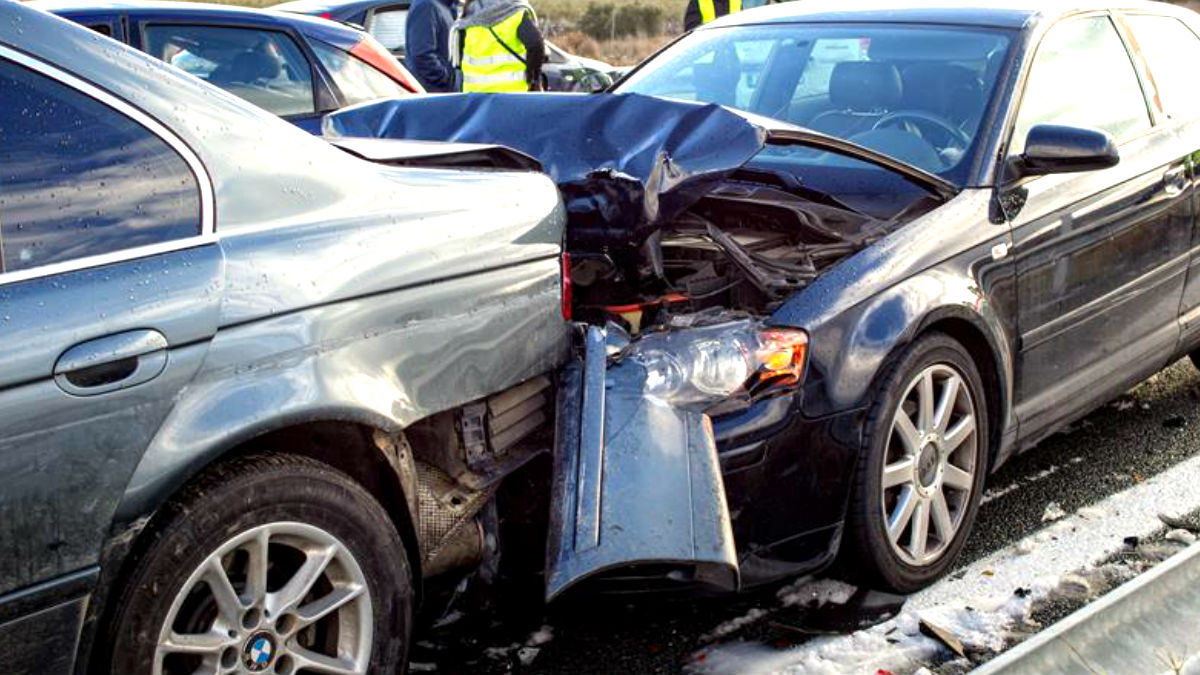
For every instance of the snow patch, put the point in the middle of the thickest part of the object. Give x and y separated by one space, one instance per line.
540 637
817 593
991 599
734 625
998 492
1181 536
1053 512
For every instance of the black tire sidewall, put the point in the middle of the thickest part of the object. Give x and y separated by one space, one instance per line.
244 494
868 529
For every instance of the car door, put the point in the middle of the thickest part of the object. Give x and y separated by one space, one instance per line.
110 286
1100 256
265 66
1170 48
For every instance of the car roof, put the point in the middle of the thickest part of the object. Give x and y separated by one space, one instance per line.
340 7
171 7
328 31
1000 14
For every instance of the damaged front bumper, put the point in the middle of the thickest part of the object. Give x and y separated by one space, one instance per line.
637 480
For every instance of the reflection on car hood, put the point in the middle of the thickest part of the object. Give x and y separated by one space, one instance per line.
625 163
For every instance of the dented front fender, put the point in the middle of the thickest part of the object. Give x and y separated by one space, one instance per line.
637 481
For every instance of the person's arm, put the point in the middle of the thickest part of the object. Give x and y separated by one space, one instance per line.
691 18
535 50
421 46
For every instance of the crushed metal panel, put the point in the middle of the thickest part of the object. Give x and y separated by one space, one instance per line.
636 480
625 163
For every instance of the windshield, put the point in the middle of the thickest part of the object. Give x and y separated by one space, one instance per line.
913 92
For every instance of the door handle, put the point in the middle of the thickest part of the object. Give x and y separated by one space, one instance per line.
111 363
1175 180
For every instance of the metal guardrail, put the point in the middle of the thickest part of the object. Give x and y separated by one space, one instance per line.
1143 627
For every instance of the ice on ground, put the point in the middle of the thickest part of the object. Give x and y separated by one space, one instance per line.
1053 512
991 600
540 637
998 492
734 625
526 655
817 593
1181 536
866 651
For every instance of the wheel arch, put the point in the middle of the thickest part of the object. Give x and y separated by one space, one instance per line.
371 450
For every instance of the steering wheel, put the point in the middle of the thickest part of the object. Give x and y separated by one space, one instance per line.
919 118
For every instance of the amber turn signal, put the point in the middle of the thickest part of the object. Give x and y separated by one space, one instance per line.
781 354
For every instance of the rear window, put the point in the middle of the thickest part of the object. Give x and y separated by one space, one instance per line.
389 26
264 67
358 80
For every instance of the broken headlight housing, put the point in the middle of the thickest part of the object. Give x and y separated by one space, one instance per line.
710 363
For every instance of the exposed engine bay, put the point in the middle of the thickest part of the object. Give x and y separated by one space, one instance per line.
746 246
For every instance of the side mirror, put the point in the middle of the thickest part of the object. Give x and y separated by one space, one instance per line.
1051 148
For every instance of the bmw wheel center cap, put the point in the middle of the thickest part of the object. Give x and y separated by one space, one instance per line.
259 652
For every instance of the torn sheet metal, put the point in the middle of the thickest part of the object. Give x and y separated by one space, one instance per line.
437 155
625 163
637 481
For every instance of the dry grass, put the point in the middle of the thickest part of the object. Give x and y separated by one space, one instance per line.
620 52
572 10
559 17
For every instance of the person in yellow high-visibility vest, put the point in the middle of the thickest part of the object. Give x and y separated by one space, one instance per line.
700 12
499 47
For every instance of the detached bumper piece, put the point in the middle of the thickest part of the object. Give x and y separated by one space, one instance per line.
637 481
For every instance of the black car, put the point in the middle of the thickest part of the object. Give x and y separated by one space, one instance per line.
979 217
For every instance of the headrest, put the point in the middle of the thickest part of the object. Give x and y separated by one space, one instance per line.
941 88
252 66
865 86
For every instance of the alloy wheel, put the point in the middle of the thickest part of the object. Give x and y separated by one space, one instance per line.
281 598
929 465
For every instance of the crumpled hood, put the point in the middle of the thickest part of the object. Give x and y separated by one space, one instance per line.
625 163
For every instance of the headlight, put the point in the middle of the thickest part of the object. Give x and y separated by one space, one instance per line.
697 365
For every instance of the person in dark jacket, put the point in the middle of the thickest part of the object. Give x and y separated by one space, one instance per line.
427 44
700 12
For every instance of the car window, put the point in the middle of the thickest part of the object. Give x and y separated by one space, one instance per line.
1171 51
917 93
1082 76
265 67
102 28
388 26
357 80
78 178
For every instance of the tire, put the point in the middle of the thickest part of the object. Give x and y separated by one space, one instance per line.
315 524
947 466
1195 357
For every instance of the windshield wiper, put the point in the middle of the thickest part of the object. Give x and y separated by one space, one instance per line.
798 136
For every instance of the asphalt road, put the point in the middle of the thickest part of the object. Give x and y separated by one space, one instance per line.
1146 431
